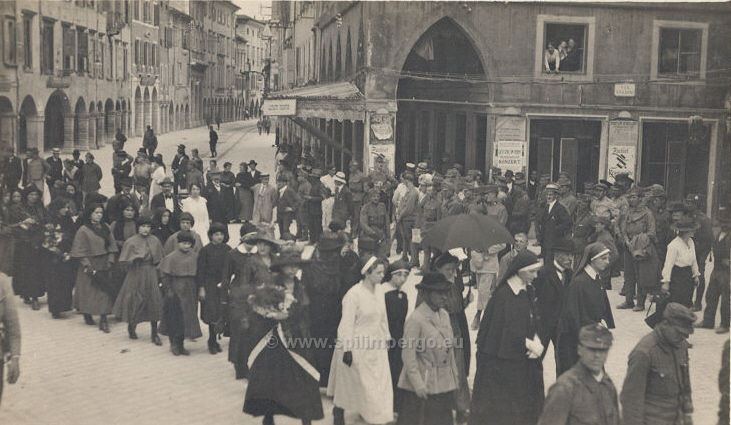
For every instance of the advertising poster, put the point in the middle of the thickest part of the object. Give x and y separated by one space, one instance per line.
622 154
509 155
381 159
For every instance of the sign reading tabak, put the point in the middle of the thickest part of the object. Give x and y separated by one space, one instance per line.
279 107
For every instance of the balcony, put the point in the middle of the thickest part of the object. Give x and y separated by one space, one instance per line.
115 23
62 79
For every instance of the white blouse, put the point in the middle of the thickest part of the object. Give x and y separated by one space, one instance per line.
680 254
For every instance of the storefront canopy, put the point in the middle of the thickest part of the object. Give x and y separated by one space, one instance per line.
335 101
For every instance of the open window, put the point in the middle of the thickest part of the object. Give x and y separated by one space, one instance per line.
565 47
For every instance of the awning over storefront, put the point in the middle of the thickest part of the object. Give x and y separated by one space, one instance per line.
338 101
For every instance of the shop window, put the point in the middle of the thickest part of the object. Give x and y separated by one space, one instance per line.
27 42
47 47
679 50
9 43
564 48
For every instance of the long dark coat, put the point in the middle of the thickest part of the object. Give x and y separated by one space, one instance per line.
550 227
211 260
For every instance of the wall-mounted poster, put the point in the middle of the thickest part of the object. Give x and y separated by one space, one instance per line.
381 159
509 155
510 128
381 128
622 154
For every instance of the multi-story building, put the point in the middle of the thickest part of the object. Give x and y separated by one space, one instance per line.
591 89
257 51
64 73
145 83
240 76
176 103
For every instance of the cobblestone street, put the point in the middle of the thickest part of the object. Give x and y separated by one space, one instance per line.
74 374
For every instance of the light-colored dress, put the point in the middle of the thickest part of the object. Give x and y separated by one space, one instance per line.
364 387
157 177
199 210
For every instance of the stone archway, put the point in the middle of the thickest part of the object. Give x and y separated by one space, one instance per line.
55 125
427 125
155 111
81 125
108 120
139 129
28 127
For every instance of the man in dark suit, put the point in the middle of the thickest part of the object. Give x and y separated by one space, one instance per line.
286 205
116 202
552 223
179 167
166 199
12 170
55 164
550 286
216 209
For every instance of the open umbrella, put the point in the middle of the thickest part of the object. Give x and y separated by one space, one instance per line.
476 231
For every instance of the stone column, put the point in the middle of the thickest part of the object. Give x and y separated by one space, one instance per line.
68 133
82 143
100 130
35 132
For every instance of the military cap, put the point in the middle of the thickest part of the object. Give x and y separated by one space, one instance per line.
595 336
679 316
398 266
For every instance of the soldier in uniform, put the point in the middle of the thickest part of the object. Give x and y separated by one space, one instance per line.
519 220
374 226
493 207
583 225
357 186
429 212
566 195
603 205
584 394
656 388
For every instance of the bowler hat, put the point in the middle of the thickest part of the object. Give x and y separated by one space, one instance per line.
595 336
433 281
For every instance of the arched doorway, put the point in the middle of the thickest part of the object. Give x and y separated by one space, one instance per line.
81 124
445 129
146 110
117 117
57 108
28 111
92 125
108 120
155 111
138 112
7 123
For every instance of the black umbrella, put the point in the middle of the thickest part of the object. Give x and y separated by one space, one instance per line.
476 231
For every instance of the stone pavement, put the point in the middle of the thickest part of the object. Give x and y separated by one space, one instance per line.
74 374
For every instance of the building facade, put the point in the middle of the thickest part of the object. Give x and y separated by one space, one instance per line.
483 85
256 52
176 104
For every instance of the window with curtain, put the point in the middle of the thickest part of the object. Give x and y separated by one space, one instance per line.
83 56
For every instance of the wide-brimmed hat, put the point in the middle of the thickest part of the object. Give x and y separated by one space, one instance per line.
685 225
262 235
252 162
434 281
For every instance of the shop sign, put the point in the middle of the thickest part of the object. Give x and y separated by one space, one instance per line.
622 155
509 155
510 128
279 107
624 89
381 127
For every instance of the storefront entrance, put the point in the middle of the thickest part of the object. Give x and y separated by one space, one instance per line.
570 145
669 159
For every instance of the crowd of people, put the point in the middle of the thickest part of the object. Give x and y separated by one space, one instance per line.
158 252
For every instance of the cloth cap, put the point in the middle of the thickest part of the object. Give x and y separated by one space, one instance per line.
680 316
595 336
433 281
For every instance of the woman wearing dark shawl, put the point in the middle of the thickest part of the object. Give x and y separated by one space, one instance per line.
140 300
30 217
323 282
178 272
211 260
586 302
58 269
508 387
95 248
228 180
122 230
162 224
